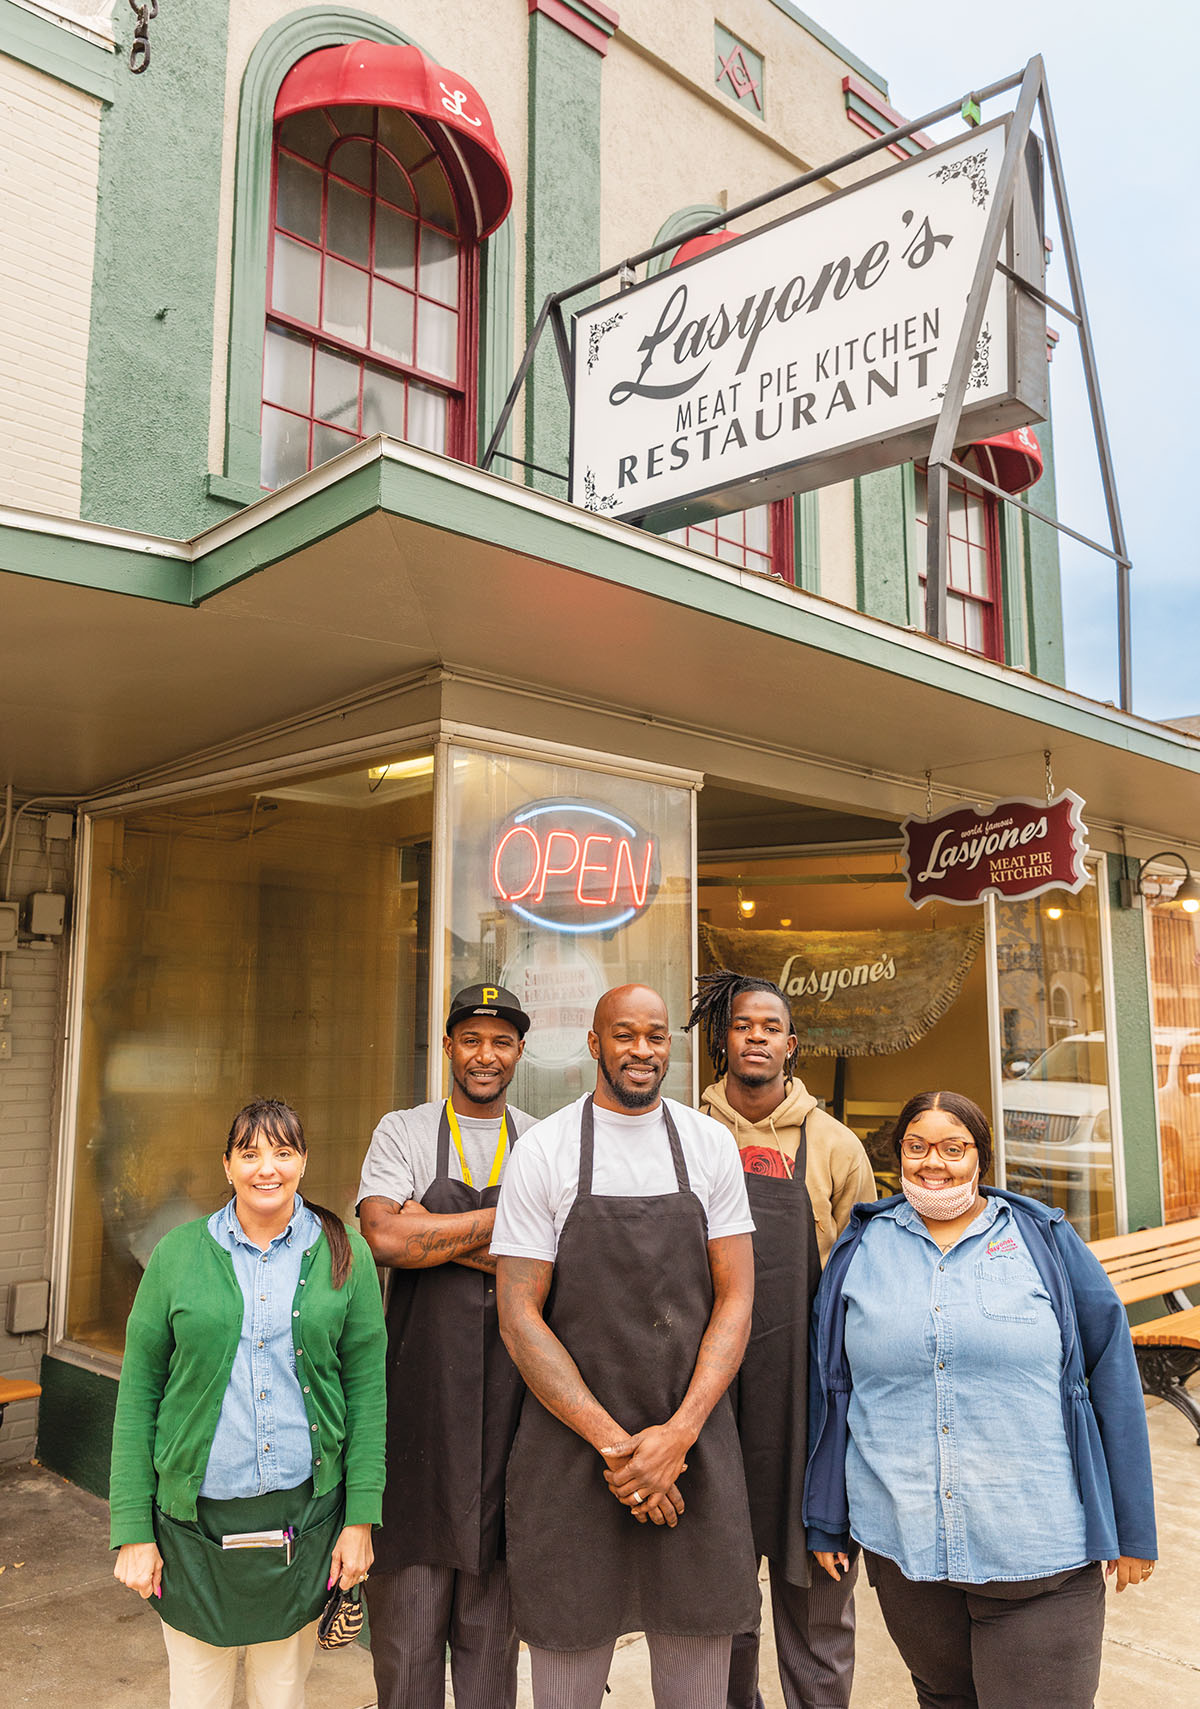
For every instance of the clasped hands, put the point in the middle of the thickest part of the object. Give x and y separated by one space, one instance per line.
642 1472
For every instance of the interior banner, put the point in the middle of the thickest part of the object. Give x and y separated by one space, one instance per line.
813 349
854 993
1016 848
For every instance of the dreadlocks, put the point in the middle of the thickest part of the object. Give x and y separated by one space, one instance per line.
712 1012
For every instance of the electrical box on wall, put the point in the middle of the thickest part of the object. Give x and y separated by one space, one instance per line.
10 914
46 914
28 1307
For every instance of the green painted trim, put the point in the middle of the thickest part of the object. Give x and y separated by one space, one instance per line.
806 525
856 104
239 493
603 20
276 51
832 43
75 1420
1014 604
681 224
48 47
562 229
883 558
497 326
288 530
1043 575
1135 1056
106 565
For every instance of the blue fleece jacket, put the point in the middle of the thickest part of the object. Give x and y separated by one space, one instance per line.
1103 1410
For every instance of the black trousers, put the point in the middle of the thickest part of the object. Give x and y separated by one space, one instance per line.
996 1646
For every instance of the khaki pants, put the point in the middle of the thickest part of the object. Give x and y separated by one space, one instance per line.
202 1675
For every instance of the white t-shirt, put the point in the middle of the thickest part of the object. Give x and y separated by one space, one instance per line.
632 1158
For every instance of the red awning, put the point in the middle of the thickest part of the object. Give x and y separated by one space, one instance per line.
693 246
1009 460
380 74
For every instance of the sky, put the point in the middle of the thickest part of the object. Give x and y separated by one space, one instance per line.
1120 88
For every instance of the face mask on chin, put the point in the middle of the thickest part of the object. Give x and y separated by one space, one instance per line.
944 1203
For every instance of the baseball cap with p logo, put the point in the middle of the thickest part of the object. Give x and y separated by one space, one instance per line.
487 1000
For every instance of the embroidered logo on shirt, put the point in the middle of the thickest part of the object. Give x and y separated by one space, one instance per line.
1002 1248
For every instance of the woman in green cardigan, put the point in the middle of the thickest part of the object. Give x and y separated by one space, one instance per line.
252 1400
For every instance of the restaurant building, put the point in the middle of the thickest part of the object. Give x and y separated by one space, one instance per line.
309 720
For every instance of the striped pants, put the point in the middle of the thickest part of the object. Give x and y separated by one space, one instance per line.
416 1612
814 1644
685 1673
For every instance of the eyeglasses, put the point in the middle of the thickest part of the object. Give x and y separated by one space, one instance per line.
949 1150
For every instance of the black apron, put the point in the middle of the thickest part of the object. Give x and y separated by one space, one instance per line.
454 1397
770 1392
630 1300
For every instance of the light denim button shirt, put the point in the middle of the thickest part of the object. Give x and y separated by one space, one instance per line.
263 1439
957 1466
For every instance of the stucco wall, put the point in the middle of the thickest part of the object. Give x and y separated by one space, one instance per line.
49 159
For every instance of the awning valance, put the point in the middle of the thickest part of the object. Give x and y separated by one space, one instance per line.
1009 460
382 74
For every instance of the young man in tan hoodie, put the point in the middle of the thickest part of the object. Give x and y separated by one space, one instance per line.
804 1172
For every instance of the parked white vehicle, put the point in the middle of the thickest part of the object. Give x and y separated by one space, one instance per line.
1057 1132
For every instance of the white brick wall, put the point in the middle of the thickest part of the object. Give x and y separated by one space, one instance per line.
29 1082
49 163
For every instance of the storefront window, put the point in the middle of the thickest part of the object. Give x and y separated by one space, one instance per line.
887 1000
267 942
565 882
1175 991
1054 1056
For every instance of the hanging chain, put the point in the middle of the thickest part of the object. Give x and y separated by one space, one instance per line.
1049 777
929 795
139 52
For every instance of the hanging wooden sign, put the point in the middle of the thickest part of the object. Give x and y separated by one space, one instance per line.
1016 848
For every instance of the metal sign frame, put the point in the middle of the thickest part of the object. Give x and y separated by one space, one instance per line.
1033 99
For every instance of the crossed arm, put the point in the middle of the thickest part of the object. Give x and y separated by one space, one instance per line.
642 1470
409 1237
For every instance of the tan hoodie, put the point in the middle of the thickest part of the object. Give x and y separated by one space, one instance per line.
839 1173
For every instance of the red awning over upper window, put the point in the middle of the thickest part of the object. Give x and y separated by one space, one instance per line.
1009 460
380 74
693 246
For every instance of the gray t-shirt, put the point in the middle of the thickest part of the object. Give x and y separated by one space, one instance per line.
401 1161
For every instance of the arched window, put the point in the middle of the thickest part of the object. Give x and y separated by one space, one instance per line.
371 294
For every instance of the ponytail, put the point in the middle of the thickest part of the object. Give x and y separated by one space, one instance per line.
340 1256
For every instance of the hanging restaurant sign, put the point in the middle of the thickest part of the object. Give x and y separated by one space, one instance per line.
854 993
1016 848
814 349
573 866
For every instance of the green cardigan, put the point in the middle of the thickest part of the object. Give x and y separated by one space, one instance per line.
179 1350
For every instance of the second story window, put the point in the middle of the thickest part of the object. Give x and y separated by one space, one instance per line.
371 291
758 539
973 617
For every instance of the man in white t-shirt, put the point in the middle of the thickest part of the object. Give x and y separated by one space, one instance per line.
426 1202
625 1287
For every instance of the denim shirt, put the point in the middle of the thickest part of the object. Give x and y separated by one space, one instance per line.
958 1465
263 1437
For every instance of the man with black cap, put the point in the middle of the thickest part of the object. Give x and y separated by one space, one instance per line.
426 1207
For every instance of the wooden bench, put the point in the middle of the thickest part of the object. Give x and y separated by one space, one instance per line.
1154 1263
16 1388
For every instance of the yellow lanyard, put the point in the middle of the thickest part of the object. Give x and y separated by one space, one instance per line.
501 1147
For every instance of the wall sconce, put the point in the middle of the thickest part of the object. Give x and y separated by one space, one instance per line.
746 906
1054 912
1186 897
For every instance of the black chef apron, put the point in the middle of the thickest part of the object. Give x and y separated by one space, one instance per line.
630 1300
770 1392
453 1400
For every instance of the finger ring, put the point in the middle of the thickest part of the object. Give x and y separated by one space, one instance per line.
637 1496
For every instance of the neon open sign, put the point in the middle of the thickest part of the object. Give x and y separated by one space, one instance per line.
573 866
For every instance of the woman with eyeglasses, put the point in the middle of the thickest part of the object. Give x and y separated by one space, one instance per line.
977 1427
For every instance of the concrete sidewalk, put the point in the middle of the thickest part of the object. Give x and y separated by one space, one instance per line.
71 1635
